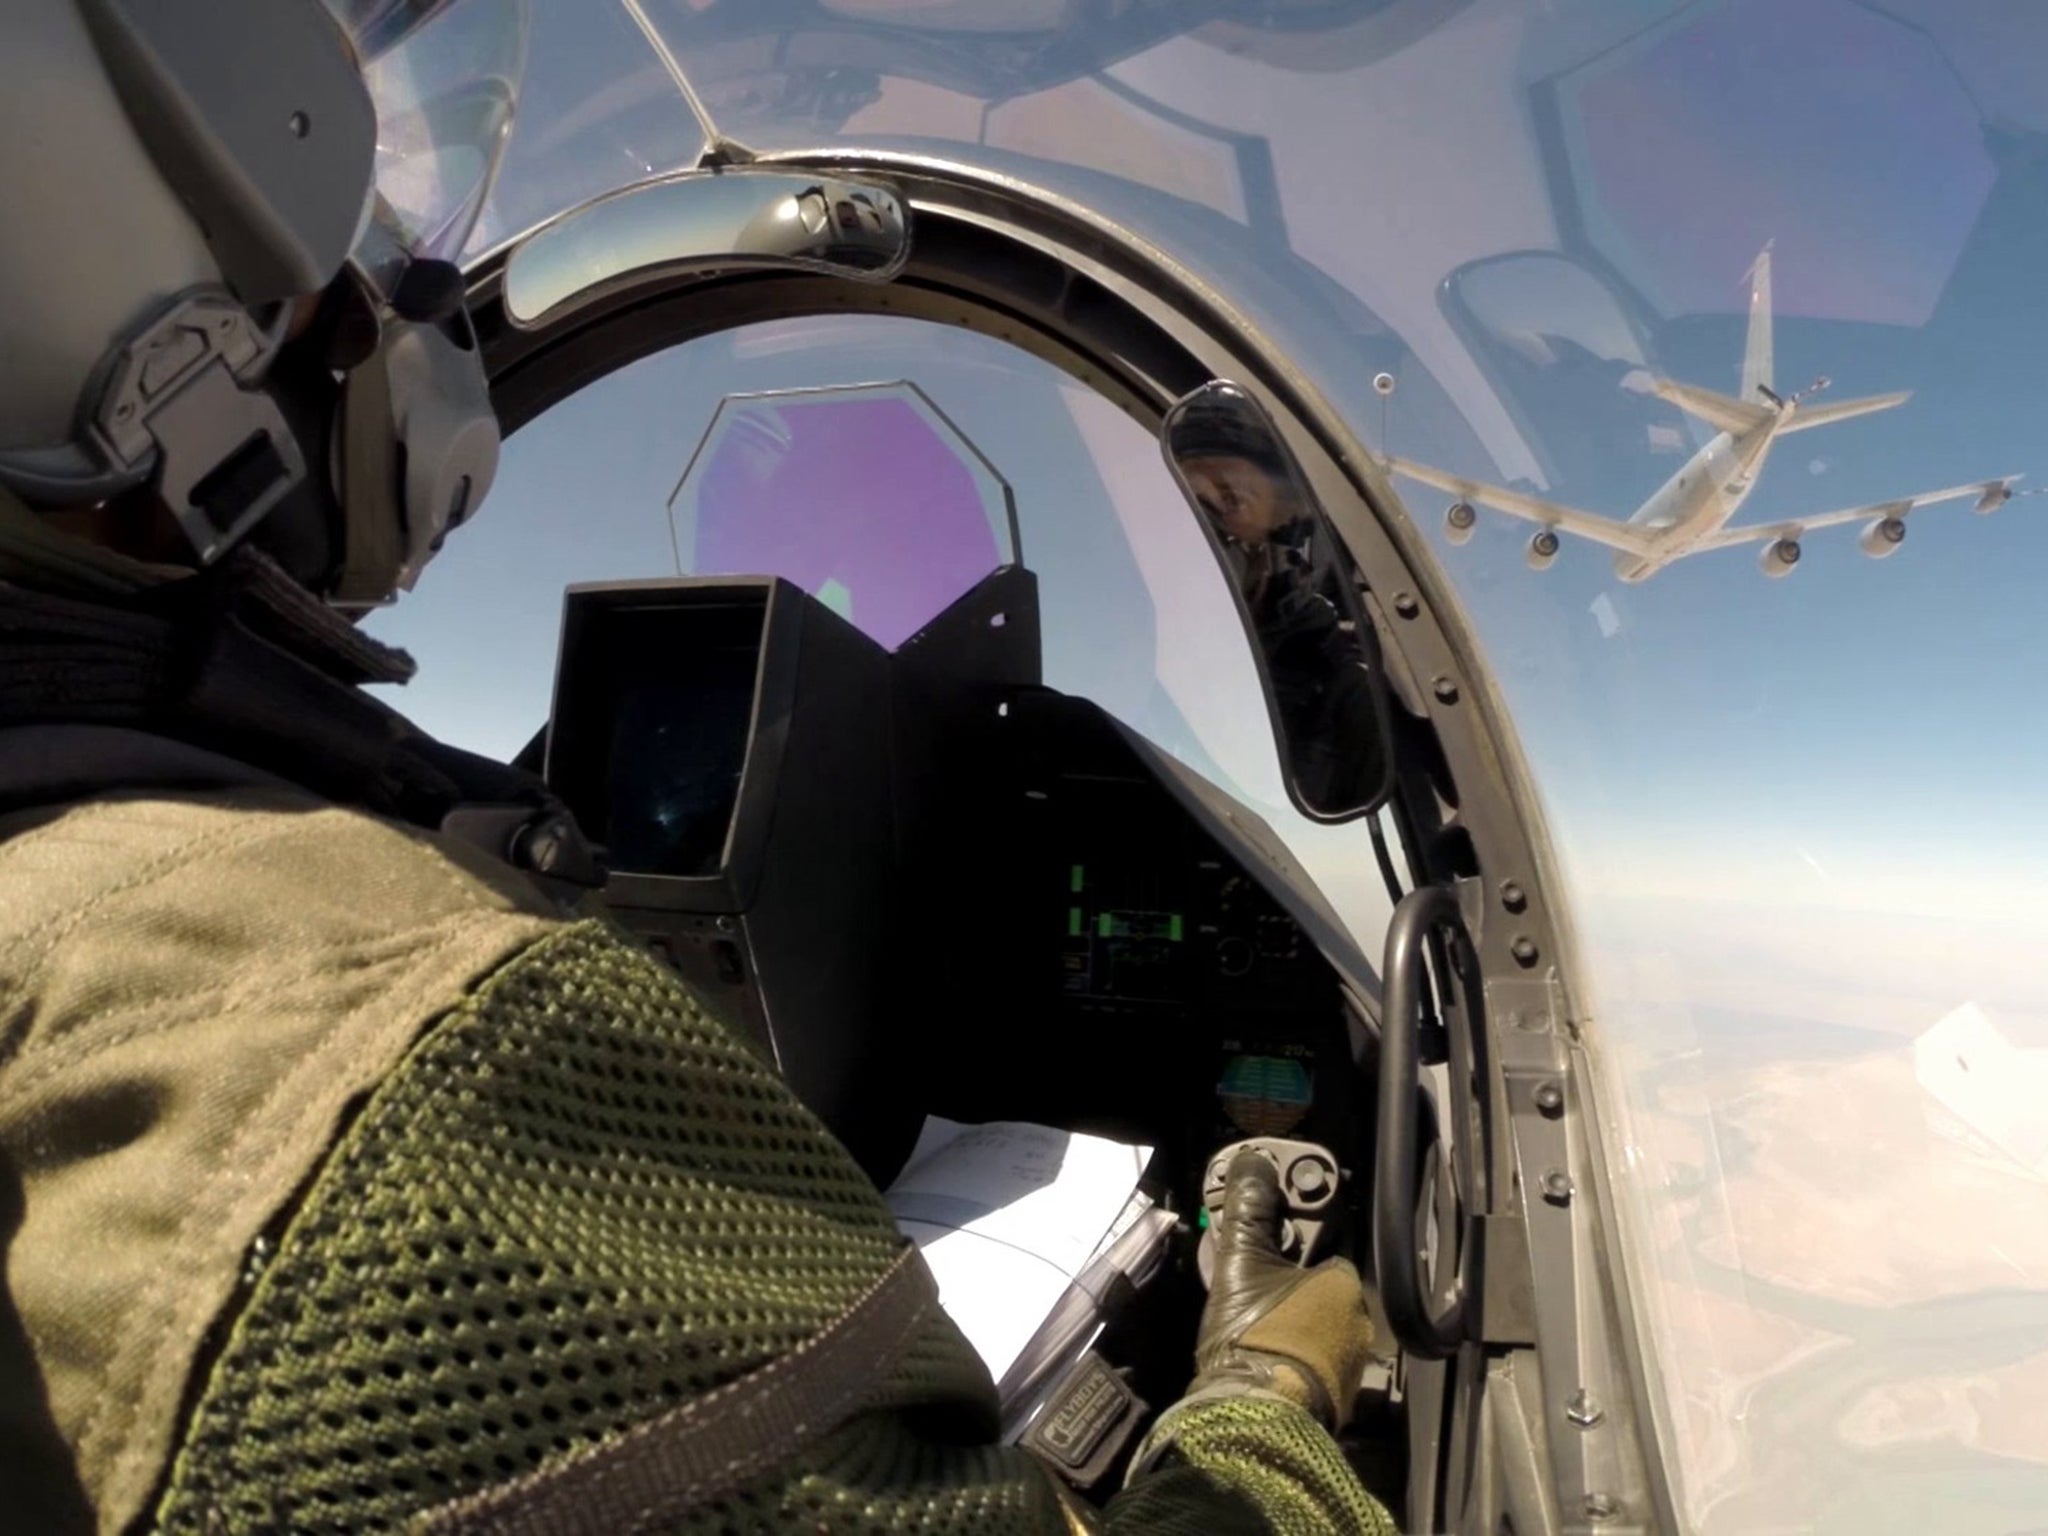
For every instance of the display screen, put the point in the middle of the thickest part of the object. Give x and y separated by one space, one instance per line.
1125 936
1266 1095
668 693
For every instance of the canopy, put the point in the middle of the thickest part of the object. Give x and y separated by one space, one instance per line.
1798 818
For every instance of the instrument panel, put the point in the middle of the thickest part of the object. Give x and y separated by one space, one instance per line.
1160 959
1147 933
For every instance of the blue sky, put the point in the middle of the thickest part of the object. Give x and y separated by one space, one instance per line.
1855 701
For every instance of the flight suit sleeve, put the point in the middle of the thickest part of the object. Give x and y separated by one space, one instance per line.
1246 1468
1251 1466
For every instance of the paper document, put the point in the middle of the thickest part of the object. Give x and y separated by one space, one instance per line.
1007 1215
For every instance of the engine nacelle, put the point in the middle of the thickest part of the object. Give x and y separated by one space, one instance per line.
1778 557
1459 521
1543 547
1994 497
1883 537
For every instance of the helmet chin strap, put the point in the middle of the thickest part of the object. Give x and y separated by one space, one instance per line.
366 457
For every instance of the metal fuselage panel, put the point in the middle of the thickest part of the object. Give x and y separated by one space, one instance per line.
1699 500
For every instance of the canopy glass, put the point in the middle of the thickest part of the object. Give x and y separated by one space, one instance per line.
1796 817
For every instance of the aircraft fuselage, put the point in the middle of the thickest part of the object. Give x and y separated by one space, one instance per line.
1699 500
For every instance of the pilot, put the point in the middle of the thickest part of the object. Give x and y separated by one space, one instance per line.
346 1183
1275 546
1237 474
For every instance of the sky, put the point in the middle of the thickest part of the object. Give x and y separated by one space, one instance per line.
1800 821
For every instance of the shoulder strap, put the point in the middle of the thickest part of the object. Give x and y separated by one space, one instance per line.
651 1475
53 765
239 662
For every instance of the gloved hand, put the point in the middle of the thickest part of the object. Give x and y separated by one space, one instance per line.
1270 1327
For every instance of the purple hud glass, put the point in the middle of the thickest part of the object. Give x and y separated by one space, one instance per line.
867 497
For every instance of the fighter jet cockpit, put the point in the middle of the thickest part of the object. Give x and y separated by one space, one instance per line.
927 880
1188 578
935 729
992 740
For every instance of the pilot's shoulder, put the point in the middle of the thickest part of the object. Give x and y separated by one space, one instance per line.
277 856
239 898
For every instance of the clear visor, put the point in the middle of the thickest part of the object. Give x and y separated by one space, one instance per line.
445 77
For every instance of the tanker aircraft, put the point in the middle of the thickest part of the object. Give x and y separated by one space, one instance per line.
1691 512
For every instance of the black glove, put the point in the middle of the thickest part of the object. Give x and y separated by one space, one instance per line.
1271 1328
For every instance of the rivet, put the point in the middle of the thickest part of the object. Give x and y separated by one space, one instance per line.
1602 1506
1549 1098
1557 1186
1513 897
1406 605
1446 691
1524 950
1584 1409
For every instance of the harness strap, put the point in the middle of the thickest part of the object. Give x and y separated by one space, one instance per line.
648 1477
238 662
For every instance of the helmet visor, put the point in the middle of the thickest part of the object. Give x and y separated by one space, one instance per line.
445 77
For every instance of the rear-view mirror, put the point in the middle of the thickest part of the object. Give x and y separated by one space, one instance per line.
748 217
1316 649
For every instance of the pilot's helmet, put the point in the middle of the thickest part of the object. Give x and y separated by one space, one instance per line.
1224 430
225 285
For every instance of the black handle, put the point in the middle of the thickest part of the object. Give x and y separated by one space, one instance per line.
1394 1254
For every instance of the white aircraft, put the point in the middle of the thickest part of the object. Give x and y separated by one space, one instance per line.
1691 511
